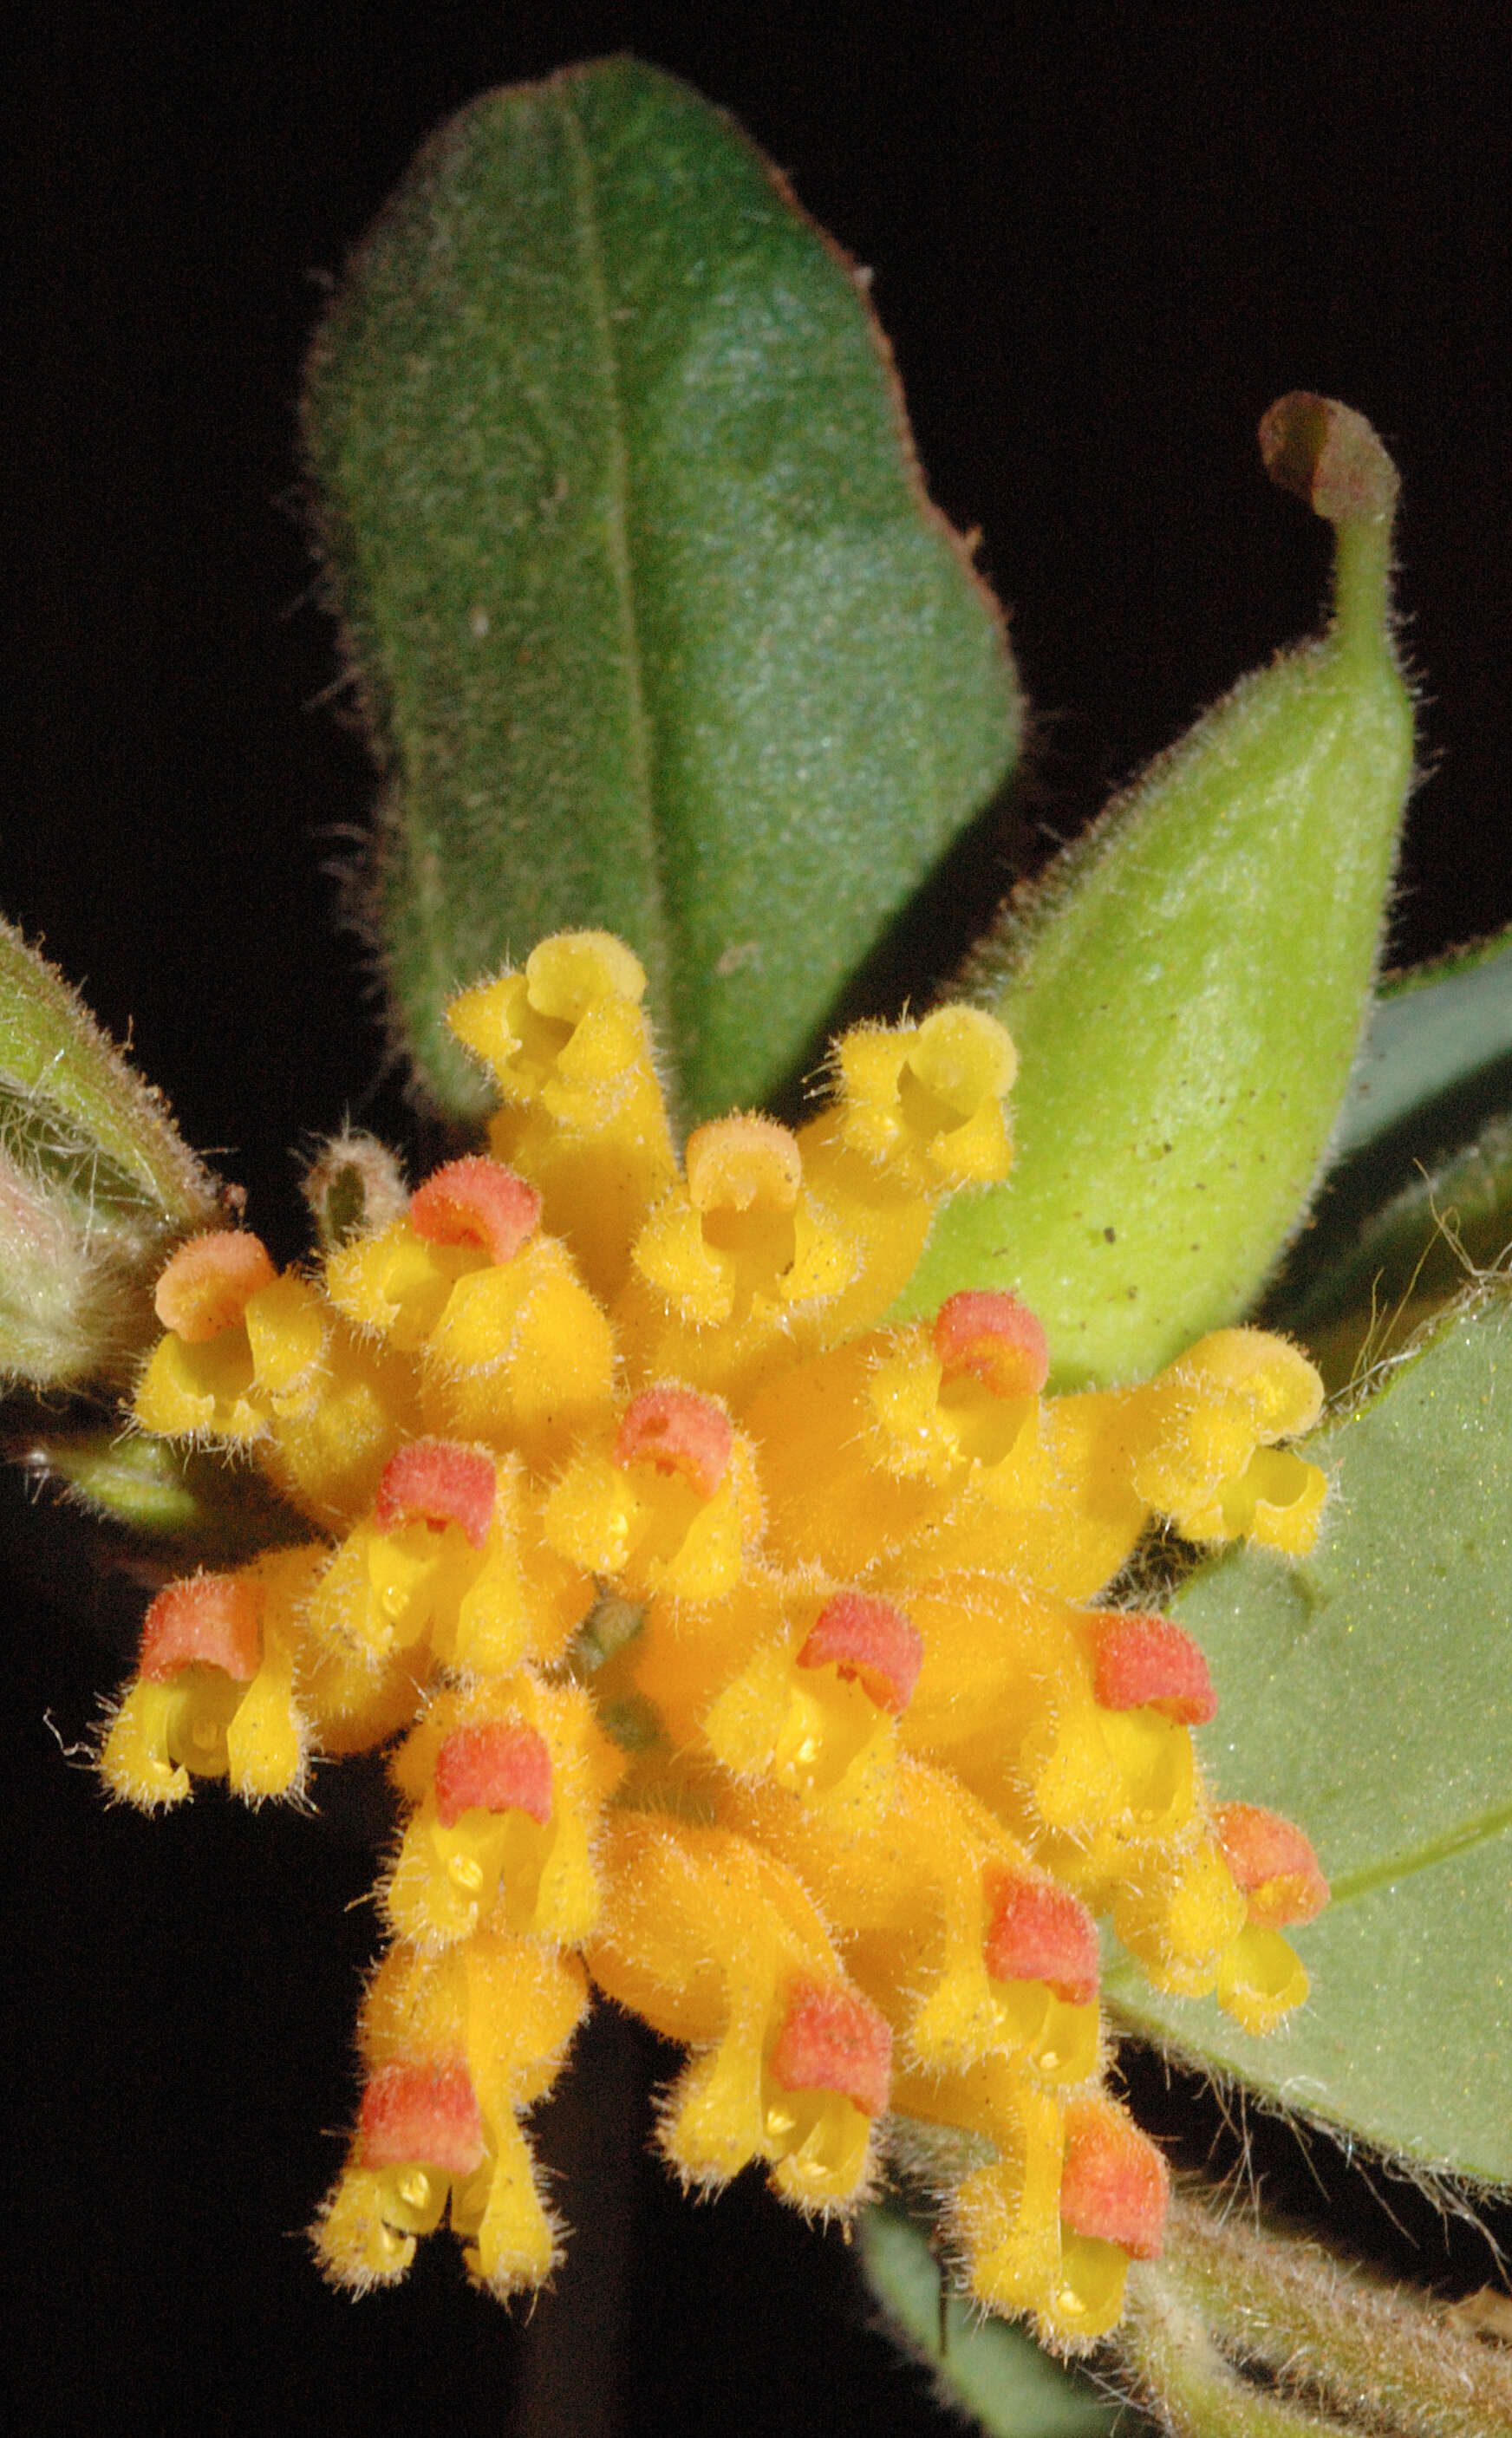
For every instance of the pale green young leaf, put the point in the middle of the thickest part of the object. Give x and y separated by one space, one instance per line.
1364 1691
655 628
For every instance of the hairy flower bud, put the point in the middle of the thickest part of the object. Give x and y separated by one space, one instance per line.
95 1185
1176 1104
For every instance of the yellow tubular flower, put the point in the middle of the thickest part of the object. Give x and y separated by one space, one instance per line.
668 1505
216 1692
514 1349
508 1781
569 1048
946 1926
731 1264
252 1356
870 1451
815 1708
1003 2218
1203 1440
918 1115
718 1947
737 1650
450 1557
456 2049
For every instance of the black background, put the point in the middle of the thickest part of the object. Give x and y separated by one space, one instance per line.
1103 239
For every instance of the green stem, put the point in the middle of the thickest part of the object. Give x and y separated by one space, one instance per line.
1183 2380
1378 2355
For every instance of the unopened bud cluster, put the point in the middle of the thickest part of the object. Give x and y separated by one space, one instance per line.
741 1654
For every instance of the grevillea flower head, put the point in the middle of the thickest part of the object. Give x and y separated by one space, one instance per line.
746 1659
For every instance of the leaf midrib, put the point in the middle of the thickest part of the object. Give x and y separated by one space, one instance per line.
1371 1875
590 239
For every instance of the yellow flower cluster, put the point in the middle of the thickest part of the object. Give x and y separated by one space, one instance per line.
742 1649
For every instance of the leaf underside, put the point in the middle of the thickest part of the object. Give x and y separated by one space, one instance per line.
1364 1691
655 628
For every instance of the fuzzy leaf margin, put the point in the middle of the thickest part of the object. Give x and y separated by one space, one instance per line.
656 631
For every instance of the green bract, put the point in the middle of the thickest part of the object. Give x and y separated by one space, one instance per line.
656 629
1186 987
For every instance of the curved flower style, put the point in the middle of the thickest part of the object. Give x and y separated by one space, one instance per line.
748 1648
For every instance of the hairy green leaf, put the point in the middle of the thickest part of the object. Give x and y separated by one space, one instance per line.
986 2367
655 626
1366 1692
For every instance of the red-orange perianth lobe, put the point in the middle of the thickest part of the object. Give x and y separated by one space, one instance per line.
1274 1864
205 1286
427 2115
1114 2185
212 1620
1141 1662
500 1766
831 2039
996 1338
870 1640
441 1481
1039 1932
677 1431
476 1201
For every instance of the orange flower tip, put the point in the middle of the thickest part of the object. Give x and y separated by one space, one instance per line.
871 1641
1273 1863
1039 1932
1114 2184
441 1481
733 1162
205 1285
996 1339
215 1620
677 1431
1148 1663
476 1201
421 2114
498 1766
831 2039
